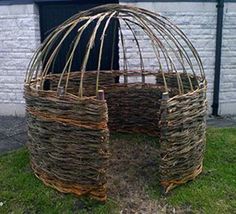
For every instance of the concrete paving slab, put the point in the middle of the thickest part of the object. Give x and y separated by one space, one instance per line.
221 122
13 133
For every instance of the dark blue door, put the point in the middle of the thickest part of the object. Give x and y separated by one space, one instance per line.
54 13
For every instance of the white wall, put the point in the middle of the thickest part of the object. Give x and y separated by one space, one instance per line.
228 68
19 37
198 21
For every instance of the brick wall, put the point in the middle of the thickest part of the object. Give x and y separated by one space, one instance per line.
198 21
228 69
19 36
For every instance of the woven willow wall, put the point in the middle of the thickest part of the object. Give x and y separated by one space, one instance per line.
182 139
68 142
179 122
71 114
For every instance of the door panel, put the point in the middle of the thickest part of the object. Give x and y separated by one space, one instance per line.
53 14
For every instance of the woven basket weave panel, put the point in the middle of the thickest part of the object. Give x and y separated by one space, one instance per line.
134 110
89 82
66 157
134 107
67 153
182 140
107 81
88 111
173 83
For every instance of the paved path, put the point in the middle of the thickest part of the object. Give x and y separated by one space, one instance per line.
13 130
221 122
13 133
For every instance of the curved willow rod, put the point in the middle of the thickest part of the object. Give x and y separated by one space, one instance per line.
124 56
101 48
179 80
70 59
171 46
176 42
168 23
183 36
47 66
155 49
39 54
90 44
158 44
139 50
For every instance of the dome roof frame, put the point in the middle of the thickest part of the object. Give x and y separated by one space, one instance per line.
151 23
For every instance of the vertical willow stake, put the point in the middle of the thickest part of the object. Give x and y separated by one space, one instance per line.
101 95
163 124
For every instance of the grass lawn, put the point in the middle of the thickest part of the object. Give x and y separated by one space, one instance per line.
212 192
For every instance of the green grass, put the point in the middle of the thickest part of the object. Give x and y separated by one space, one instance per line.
22 192
212 192
215 190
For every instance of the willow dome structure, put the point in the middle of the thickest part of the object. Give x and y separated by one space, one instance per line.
71 112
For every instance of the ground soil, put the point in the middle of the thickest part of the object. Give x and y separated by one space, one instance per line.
133 175
132 171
